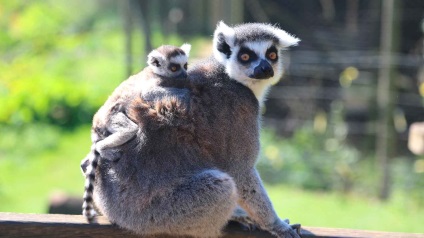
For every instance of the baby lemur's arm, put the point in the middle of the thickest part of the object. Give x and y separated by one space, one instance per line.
122 129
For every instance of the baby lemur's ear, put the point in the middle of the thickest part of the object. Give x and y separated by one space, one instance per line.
155 58
154 61
186 48
223 41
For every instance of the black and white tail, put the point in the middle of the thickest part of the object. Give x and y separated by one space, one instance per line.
90 175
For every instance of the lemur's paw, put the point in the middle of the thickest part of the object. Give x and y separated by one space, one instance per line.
295 226
284 230
243 218
247 222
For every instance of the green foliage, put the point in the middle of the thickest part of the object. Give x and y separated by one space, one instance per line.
37 161
61 61
304 160
47 65
332 209
311 160
318 157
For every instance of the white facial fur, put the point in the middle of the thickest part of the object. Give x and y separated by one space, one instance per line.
186 48
163 69
180 59
240 72
229 35
161 58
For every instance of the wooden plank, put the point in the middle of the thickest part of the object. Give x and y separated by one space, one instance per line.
55 225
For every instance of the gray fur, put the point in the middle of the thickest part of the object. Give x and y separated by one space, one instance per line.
186 175
112 127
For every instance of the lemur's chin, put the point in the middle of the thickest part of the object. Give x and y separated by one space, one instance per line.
261 77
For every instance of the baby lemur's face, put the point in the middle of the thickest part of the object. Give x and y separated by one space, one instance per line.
170 61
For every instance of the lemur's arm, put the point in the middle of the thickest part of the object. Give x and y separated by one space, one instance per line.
123 130
253 198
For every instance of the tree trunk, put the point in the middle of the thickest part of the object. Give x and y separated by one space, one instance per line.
385 97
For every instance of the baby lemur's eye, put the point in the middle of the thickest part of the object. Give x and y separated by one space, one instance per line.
185 66
245 57
174 67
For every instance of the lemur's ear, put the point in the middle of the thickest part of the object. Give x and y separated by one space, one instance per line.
285 39
155 58
186 48
223 41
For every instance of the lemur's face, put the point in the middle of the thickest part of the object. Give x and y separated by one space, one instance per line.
251 53
174 67
251 61
170 61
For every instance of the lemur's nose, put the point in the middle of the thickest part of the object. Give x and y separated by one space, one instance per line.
263 70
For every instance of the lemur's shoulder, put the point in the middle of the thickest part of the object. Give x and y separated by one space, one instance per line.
210 75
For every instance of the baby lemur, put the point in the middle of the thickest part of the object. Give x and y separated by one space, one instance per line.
167 66
186 178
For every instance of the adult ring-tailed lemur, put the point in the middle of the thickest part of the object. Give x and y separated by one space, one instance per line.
187 178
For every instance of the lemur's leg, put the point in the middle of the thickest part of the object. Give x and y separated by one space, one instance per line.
254 200
123 130
200 207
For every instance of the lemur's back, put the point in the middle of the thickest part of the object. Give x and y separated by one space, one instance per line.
201 140
225 102
123 94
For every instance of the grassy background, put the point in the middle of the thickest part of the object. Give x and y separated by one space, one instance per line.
26 184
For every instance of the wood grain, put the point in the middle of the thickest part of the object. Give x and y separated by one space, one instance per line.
55 225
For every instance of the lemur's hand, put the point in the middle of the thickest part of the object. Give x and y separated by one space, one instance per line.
240 216
283 229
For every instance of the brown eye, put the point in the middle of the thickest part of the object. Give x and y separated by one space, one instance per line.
173 68
272 56
245 57
185 66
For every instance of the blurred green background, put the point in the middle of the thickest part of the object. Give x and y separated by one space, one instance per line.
321 157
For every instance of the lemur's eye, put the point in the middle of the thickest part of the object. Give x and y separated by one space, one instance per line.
272 56
245 57
174 67
185 66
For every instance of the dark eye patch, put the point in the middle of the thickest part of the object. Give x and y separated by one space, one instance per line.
270 50
174 67
245 50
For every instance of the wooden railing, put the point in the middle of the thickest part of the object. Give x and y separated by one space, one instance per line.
53 225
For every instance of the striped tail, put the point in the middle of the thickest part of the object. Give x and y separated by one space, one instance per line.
90 175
